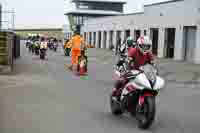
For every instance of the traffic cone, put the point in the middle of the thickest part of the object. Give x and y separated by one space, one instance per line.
82 71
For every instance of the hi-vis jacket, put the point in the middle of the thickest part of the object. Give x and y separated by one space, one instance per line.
76 43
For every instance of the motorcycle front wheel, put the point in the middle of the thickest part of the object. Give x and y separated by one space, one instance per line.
115 107
145 115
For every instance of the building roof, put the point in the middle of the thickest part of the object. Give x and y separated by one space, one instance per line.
105 1
135 13
160 2
94 12
39 29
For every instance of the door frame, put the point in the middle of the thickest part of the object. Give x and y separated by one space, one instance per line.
166 44
185 38
152 30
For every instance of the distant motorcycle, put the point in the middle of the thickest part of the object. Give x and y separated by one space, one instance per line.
37 48
51 46
42 53
33 48
55 48
30 47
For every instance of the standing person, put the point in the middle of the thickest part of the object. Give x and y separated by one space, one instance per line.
66 48
118 45
55 44
43 45
76 43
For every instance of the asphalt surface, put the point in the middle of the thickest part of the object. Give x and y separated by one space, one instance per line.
44 97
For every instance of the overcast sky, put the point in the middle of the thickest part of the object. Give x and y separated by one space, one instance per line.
49 13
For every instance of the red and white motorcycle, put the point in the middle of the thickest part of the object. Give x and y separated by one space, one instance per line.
138 95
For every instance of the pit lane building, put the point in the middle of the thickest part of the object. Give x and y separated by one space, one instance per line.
173 25
88 9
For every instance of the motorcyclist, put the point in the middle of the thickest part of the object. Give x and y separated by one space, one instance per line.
28 42
43 44
128 44
66 48
141 54
76 44
138 56
55 43
37 46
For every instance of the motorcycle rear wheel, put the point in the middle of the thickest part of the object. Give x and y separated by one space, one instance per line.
146 118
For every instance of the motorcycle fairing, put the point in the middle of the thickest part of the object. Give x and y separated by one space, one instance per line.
159 83
131 86
142 80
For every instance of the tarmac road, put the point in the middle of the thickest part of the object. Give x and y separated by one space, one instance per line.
44 97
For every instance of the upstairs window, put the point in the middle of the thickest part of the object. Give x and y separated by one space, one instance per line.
83 6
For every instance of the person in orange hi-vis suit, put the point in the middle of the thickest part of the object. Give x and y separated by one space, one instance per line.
76 44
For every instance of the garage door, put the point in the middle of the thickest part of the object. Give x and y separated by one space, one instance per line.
190 42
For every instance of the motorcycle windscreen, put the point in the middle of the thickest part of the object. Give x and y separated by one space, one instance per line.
142 80
160 83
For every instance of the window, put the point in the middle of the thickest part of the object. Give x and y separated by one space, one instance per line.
83 6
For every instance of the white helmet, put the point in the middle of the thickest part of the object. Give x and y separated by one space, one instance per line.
144 43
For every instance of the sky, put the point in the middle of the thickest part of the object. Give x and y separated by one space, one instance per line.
50 13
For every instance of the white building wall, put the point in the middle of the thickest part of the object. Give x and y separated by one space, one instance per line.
102 39
92 39
174 13
122 35
161 42
107 39
132 32
179 48
97 40
114 39
197 49
168 15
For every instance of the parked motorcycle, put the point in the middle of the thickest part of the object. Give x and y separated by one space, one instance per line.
30 47
55 48
138 95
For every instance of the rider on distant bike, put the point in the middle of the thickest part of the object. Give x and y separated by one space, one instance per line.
43 45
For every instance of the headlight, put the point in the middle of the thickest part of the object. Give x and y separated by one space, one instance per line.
151 76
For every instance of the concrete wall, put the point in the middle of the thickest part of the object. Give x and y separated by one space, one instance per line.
6 52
